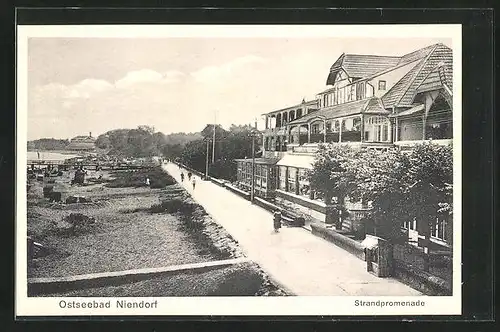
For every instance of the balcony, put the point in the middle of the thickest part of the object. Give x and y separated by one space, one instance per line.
305 148
404 144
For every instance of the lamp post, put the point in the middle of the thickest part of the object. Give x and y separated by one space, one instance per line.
213 146
206 161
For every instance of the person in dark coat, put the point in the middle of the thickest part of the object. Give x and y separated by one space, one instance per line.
277 220
182 177
189 176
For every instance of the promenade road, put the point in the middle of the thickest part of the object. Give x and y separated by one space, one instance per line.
301 262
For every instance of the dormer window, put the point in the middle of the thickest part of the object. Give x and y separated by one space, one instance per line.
381 85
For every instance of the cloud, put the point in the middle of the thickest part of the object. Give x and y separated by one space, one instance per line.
139 76
148 76
86 87
212 74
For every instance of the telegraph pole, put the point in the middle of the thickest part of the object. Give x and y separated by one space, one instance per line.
213 145
206 164
252 193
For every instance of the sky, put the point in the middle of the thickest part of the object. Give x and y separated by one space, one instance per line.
82 85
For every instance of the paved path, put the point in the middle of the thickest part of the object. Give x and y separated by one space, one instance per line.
299 261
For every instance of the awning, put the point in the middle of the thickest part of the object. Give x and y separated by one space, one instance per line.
299 161
412 110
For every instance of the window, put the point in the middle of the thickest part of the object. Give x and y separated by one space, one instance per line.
352 94
411 225
360 91
381 85
377 129
304 187
315 128
356 124
325 100
336 126
329 127
439 229
282 177
292 172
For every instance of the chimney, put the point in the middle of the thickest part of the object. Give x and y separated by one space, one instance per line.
90 134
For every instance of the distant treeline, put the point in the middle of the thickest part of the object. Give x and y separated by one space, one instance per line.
231 144
48 144
143 142
190 148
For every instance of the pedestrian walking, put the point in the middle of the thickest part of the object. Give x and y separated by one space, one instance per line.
182 177
277 220
148 183
189 176
194 182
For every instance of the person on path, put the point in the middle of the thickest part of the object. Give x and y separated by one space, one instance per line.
277 220
148 183
182 177
189 176
194 182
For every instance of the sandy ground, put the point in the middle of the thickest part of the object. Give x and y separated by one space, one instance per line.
119 240
128 236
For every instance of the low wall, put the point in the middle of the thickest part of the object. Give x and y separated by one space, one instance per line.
417 279
218 182
37 286
339 240
301 201
237 191
308 207
421 280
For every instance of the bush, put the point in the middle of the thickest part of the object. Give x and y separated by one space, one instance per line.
173 206
157 178
78 223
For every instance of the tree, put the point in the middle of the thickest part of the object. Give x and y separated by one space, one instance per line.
230 145
194 155
48 144
380 179
430 190
327 176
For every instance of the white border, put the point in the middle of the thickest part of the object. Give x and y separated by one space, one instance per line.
296 305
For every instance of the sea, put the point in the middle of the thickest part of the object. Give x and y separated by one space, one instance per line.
45 155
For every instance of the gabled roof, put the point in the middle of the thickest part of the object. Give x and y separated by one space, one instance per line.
313 102
440 76
416 55
372 105
404 91
361 66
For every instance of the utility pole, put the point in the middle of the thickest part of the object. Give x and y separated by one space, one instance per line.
213 145
252 193
206 159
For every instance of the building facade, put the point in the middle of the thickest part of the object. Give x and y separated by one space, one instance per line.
265 176
371 102
82 143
